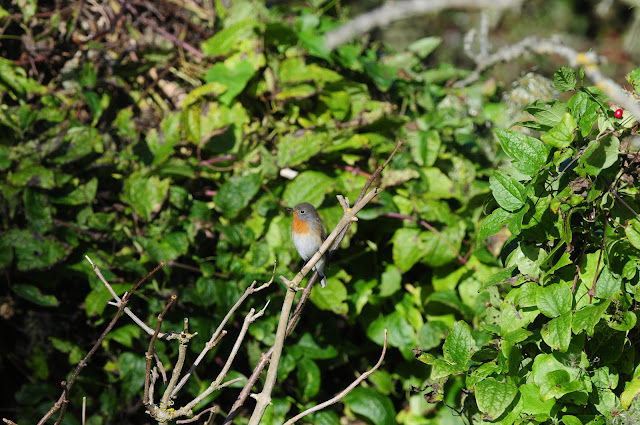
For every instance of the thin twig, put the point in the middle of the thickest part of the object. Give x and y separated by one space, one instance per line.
149 356
63 401
344 392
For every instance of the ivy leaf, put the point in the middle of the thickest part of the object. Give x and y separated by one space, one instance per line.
633 232
529 154
492 224
601 156
558 383
588 317
508 192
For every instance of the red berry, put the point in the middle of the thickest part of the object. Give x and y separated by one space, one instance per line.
618 113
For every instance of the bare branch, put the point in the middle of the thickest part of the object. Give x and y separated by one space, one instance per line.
395 10
344 392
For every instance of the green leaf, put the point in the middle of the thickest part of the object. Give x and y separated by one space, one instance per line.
424 146
529 154
33 294
308 374
508 192
548 117
405 254
32 176
374 406
459 345
309 348
34 251
308 186
494 397
492 224
562 134
565 79
236 194
132 371
226 39
585 110
608 284
631 391
294 149
633 232
423 47
83 194
235 78
145 194
554 300
400 332
601 156
332 298
37 210
557 332
532 404
558 383
588 317
390 281
431 334
498 277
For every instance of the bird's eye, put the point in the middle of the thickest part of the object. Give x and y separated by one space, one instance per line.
301 211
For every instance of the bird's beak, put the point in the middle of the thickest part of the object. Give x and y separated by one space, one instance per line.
289 209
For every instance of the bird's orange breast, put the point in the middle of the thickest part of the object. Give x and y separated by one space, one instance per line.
299 226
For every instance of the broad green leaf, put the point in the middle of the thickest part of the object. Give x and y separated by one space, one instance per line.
459 345
494 397
498 277
37 210
34 251
83 194
532 403
132 371
424 46
308 186
631 391
633 232
145 194
33 294
554 300
529 154
236 194
424 146
565 79
309 348
308 375
558 383
584 110
508 192
96 300
294 149
602 155
492 224
571 420
562 134
367 402
442 369
608 284
400 332
226 39
588 317
550 116
162 142
235 78
390 281
32 176
332 298
406 248
431 334
557 332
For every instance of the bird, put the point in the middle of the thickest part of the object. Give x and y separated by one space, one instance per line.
307 234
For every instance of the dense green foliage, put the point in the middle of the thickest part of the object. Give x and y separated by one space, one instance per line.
556 339
134 155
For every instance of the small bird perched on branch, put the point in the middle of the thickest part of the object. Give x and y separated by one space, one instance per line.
308 235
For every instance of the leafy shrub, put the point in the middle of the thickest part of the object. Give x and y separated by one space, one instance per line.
554 340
